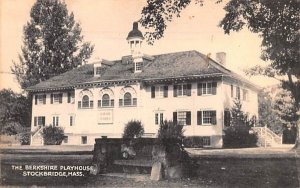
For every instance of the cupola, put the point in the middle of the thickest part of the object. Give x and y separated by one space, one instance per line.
135 39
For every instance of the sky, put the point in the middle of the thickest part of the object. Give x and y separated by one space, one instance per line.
106 23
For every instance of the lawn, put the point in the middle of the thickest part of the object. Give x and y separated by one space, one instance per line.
212 172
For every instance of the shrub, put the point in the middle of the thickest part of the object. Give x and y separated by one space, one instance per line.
170 132
133 129
193 142
239 137
53 135
24 138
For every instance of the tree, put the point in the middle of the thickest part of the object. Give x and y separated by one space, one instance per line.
267 115
238 134
15 112
277 23
133 129
170 133
53 44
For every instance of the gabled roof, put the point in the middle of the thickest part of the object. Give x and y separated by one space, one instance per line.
171 65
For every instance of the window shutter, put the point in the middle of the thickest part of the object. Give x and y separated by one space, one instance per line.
79 104
189 89
99 103
53 121
44 99
214 88
213 117
165 91
188 118
91 104
60 97
199 117
35 121
175 117
120 102
51 98
152 91
43 120
227 118
112 102
199 89
36 99
69 97
57 120
134 101
175 91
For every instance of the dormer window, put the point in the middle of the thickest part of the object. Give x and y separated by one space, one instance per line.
97 69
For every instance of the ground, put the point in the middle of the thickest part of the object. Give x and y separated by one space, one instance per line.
254 167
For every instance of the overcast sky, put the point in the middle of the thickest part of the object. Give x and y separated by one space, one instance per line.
106 24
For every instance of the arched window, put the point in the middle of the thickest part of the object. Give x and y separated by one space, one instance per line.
127 99
105 100
85 102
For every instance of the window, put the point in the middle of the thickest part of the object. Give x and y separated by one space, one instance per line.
40 99
182 90
84 140
182 117
72 120
207 88
39 121
231 90
238 93
86 102
71 97
66 139
245 95
106 101
138 66
206 117
56 98
159 91
206 140
98 71
159 118
55 120
128 100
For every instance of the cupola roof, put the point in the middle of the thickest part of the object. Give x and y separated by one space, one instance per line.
135 32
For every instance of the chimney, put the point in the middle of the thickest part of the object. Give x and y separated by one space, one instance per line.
221 58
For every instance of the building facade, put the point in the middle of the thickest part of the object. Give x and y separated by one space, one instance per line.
97 100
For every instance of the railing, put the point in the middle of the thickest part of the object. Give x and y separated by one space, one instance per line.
266 136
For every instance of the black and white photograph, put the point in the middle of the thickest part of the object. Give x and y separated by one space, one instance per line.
150 93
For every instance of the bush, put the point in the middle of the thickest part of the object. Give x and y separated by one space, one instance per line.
239 137
24 138
133 129
53 135
170 132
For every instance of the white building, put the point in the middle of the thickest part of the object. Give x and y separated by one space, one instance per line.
97 100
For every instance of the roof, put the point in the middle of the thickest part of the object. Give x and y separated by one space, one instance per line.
135 32
171 65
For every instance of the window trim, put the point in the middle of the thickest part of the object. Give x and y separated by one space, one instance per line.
89 103
158 118
185 88
188 117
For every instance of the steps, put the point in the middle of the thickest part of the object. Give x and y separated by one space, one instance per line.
36 138
266 137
